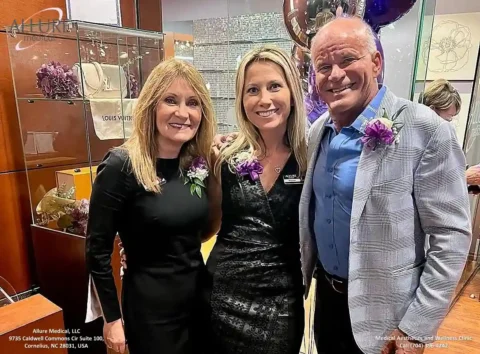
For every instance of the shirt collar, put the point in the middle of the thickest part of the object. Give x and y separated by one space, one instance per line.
368 113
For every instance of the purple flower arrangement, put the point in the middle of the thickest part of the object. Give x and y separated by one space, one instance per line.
75 218
196 176
378 133
133 87
79 216
382 131
57 81
247 165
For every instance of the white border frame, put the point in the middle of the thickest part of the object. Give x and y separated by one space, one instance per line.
85 2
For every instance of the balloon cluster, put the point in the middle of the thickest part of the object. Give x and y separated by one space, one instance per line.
303 18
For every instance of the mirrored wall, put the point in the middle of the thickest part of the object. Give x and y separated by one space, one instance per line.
214 34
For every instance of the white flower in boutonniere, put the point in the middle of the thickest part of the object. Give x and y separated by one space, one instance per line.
196 175
382 131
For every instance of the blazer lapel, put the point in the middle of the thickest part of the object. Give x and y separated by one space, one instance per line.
312 153
368 167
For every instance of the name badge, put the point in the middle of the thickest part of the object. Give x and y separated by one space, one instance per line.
293 179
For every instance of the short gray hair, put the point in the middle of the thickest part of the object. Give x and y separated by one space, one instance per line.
364 31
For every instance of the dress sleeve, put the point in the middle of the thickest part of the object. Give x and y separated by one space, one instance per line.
110 192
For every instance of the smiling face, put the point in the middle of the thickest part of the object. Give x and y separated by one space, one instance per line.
345 67
178 114
266 96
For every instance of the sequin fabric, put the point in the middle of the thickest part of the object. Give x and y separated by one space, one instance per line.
256 288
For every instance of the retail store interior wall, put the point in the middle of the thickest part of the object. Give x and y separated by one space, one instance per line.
16 260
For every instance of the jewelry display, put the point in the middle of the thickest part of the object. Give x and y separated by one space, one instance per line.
75 91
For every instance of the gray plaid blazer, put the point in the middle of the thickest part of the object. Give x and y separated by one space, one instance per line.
402 193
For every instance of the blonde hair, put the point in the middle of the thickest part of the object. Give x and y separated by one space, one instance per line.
249 135
440 95
142 145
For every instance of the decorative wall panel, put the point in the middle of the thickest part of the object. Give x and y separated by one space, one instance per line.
219 45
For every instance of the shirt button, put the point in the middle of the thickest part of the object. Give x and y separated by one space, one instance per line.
331 247
329 196
335 268
330 169
329 221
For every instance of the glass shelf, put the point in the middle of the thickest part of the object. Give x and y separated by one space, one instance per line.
257 41
80 30
64 139
68 100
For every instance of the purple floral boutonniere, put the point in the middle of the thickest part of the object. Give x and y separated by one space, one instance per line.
196 175
382 131
248 165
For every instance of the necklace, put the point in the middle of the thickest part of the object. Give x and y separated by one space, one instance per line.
276 168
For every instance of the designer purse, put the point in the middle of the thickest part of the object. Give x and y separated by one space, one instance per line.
101 80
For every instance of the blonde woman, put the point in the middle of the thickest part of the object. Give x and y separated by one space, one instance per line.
443 98
255 288
151 191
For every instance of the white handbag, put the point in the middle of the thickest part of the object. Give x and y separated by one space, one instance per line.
101 80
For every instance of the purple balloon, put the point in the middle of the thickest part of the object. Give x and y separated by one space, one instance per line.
314 105
380 13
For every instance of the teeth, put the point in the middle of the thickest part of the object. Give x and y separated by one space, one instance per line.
267 113
342 89
177 125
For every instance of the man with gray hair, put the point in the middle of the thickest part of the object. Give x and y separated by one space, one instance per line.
383 173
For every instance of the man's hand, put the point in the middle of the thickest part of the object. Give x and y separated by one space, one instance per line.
473 175
400 344
221 141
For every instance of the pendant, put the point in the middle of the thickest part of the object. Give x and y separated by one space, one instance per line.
277 169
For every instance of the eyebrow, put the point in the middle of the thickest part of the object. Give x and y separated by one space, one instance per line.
175 95
277 81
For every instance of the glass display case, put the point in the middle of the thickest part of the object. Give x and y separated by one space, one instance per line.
441 55
422 48
471 148
8 295
76 85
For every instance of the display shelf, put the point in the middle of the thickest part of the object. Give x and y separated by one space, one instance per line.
214 71
56 82
80 30
257 41
67 100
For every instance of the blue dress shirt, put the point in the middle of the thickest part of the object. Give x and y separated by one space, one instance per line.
333 185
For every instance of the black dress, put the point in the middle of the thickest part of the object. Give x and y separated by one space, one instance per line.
161 237
255 284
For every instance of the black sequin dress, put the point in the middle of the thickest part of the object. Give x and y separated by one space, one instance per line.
255 283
